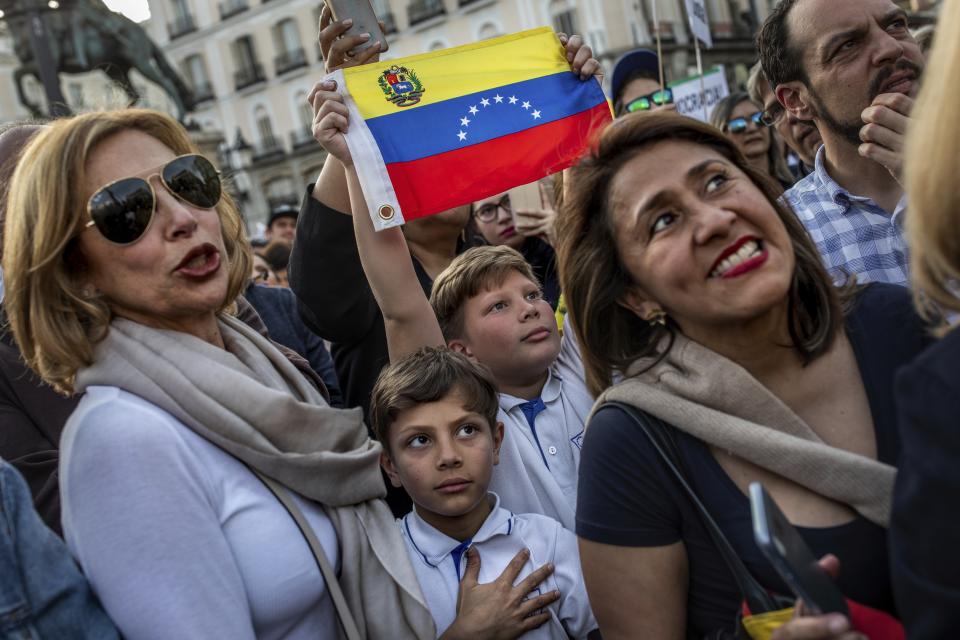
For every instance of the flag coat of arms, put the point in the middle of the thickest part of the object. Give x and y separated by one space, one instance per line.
438 130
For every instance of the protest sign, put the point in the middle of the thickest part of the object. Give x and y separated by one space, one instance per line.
695 102
699 24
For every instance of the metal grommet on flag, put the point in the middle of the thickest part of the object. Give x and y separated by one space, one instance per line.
386 212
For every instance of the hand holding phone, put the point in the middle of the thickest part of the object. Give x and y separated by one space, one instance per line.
790 556
345 45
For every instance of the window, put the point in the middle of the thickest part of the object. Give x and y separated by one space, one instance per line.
563 13
487 31
181 9
286 36
264 126
244 53
304 110
196 71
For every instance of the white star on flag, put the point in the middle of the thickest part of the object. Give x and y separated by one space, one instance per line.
525 105
498 98
474 110
485 102
513 99
462 136
465 121
536 115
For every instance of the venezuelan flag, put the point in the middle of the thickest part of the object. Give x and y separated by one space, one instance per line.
442 129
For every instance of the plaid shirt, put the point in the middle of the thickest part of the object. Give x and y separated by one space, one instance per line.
853 234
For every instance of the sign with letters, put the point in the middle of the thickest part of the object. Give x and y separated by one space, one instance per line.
699 24
695 102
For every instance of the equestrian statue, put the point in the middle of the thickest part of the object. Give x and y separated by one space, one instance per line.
85 35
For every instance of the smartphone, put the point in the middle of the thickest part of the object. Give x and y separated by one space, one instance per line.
364 21
524 197
790 556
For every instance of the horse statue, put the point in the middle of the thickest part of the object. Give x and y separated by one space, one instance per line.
85 35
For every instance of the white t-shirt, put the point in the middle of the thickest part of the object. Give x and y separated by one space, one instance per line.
538 466
180 539
440 562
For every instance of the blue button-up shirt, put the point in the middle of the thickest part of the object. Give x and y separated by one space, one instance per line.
853 234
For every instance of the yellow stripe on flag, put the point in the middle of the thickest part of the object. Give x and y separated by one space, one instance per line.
459 71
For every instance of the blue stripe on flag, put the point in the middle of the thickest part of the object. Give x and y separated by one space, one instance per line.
479 117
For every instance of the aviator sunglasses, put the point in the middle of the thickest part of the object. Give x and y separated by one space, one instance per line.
645 103
739 125
122 210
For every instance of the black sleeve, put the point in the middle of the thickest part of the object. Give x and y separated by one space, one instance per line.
925 524
325 273
32 417
624 497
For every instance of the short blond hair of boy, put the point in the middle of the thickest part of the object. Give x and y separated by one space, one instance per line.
472 271
428 375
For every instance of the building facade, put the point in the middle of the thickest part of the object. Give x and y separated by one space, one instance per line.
251 64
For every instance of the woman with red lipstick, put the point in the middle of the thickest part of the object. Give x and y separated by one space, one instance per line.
739 118
124 258
707 299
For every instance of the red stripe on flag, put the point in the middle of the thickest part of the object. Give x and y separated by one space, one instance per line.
446 180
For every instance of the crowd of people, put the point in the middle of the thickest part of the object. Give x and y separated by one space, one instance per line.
503 420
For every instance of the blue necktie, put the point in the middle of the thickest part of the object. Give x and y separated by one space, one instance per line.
530 410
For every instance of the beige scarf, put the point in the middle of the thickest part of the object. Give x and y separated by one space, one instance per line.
250 401
715 400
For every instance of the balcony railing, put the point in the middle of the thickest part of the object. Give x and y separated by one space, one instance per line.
247 76
230 8
268 148
302 138
289 60
203 91
421 10
181 26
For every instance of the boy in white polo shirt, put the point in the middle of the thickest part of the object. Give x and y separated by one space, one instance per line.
435 412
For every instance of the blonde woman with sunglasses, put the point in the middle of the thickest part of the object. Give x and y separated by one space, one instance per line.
124 258
740 119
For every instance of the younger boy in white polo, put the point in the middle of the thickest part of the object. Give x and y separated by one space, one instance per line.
435 412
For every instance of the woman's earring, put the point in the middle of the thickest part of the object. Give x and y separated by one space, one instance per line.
658 317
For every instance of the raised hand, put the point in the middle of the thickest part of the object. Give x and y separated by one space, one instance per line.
336 47
499 610
330 120
580 57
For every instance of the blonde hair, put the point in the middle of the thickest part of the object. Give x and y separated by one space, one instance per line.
469 273
55 325
931 170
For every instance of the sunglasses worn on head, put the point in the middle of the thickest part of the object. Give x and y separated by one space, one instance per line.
645 103
739 125
122 210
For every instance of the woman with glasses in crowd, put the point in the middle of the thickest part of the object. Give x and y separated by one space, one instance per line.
496 222
741 120
706 297
124 259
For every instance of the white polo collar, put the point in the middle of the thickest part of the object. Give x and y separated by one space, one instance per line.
434 547
550 392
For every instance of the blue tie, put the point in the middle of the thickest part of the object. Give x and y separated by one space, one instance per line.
530 410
